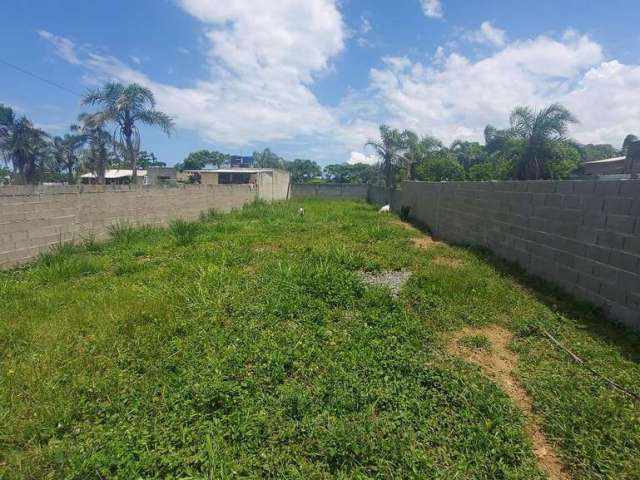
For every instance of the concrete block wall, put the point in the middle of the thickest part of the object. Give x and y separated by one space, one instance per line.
581 235
329 190
35 218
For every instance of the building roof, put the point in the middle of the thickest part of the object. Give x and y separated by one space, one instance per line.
116 173
231 170
606 160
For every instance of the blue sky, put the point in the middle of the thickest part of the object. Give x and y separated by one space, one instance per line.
314 78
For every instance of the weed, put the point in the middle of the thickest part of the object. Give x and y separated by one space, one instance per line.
184 232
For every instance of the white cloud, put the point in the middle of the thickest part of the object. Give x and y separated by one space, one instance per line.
184 51
488 34
258 88
63 47
457 97
432 8
365 26
359 157
135 59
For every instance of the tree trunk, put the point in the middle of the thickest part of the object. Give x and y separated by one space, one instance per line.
70 173
132 158
388 182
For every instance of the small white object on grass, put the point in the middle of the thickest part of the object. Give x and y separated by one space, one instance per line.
301 212
385 209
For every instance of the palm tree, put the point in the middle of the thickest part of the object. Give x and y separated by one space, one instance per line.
126 107
389 149
66 150
540 130
417 150
22 145
99 140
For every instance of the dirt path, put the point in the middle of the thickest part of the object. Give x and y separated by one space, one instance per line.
423 242
499 363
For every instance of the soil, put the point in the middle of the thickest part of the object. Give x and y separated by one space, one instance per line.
500 364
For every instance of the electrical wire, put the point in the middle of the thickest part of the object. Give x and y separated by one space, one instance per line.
38 77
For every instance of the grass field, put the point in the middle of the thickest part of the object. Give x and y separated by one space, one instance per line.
247 345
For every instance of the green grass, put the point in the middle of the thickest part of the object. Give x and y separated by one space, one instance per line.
246 345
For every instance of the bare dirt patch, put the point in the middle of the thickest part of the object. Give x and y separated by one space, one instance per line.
451 262
499 363
423 242
393 280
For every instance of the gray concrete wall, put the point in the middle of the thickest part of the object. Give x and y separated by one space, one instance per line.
35 218
274 185
581 235
329 190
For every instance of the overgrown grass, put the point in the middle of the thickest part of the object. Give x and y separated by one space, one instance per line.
247 345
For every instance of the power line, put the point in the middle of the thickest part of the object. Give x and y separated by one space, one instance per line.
38 77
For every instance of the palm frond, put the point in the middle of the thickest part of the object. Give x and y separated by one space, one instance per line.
156 118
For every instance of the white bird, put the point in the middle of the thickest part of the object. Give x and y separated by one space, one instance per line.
385 209
301 212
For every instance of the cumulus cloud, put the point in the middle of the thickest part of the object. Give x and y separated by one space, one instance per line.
259 86
359 157
432 8
488 34
458 97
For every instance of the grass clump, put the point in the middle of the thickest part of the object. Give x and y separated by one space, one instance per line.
269 358
184 232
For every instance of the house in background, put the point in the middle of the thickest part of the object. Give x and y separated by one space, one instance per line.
114 176
225 176
238 161
123 176
616 167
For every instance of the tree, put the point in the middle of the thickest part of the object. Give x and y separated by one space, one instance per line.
564 160
628 140
23 146
389 149
303 171
417 149
541 131
468 154
439 166
591 152
97 157
268 159
66 151
201 158
126 107
358 173
148 159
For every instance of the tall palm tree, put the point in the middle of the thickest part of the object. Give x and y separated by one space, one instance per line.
22 145
389 149
126 107
418 150
540 130
66 151
99 141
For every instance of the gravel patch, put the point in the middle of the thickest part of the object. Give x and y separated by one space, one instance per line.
391 279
